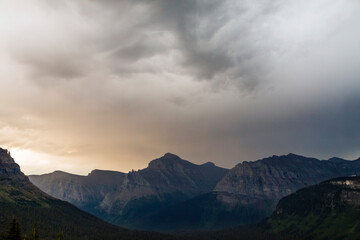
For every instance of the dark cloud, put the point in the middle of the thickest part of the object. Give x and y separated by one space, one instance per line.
215 39
46 66
324 130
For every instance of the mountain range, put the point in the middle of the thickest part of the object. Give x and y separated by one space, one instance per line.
173 194
326 210
127 199
21 199
329 210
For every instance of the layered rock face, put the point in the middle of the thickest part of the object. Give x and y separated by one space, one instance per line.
126 198
250 191
330 194
169 175
9 170
329 210
21 199
278 176
83 191
190 196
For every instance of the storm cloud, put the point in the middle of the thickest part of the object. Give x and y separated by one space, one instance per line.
114 84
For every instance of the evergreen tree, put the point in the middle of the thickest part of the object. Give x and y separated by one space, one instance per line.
14 232
60 236
35 233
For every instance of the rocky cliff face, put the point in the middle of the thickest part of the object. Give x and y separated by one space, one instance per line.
9 170
21 199
329 210
83 191
171 174
170 186
250 191
126 198
278 176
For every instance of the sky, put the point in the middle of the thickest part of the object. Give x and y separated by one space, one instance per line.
114 84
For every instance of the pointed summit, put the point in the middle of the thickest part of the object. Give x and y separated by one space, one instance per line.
209 164
20 198
171 156
169 160
9 170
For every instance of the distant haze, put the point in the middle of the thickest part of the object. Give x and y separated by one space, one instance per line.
115 84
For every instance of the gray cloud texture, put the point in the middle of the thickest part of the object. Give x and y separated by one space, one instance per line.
114 84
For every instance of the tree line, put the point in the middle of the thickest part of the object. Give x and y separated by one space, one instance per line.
14 232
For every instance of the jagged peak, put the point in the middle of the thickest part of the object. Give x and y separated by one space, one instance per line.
276 159
9 168
167 160
5 156
6 159
4 151
171 155
289 156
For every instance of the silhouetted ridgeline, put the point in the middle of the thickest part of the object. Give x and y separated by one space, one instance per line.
172 194
21 199
127 199
329 210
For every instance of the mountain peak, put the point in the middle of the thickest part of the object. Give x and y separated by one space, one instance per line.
5 156
209 164
8 168
336 159
293 155
170 155
167 161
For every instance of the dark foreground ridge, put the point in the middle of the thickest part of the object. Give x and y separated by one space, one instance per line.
329 210
326 211
21 199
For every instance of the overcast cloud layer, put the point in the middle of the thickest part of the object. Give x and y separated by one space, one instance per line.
114 84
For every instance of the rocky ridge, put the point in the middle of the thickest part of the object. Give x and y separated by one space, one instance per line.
9 170
20 198
278 176
194 197
328 210
126 198
250 191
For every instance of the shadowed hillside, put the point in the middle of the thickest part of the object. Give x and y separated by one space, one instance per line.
20 198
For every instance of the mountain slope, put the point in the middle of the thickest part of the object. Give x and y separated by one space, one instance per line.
329 210
84 192
172 194
20 198
126 199
249 192
204 212
278 176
